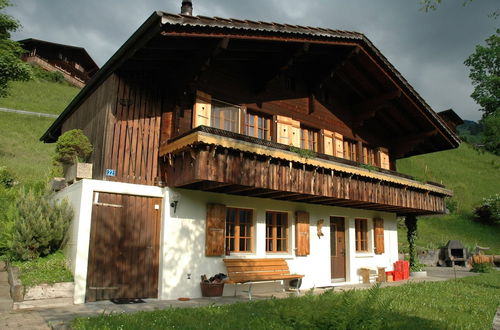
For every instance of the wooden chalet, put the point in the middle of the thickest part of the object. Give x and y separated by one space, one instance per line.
260 116
74 63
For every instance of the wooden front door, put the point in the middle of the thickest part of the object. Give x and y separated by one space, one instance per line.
124 247
337 247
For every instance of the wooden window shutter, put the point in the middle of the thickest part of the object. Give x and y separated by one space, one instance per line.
302 233
383 158
378 225
283 130
202 109
215 225
328 142
339 145
295 126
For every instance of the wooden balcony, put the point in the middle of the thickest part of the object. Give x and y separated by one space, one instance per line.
214 160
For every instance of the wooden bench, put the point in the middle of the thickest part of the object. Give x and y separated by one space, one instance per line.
249 271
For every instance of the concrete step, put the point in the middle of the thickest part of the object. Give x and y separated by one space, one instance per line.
4 291
4 277
5 305
44 303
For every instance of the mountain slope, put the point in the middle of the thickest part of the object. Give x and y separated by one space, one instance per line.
472 175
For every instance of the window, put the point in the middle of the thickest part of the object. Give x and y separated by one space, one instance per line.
308 139
276 231
361 235
350 148
258 126
239 223
225 116
369 156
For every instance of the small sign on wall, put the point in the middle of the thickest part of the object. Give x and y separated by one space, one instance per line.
110 172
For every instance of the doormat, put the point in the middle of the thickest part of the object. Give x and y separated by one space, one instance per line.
127 301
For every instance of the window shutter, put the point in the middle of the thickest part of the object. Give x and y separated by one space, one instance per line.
302 233
288 131
383 158
339 145
202 109
295 133
328 142
215 225
378 225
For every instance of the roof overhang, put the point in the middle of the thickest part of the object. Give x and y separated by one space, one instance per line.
208 35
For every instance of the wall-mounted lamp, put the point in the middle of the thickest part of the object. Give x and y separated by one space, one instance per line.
174 200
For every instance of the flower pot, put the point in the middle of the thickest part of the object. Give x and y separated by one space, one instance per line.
418 274
77 172
212 289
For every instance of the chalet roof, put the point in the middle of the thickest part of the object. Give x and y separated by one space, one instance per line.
201 26
80 52
451 116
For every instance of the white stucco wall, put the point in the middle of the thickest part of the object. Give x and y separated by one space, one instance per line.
182 241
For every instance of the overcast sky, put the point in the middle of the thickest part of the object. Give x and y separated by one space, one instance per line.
427 48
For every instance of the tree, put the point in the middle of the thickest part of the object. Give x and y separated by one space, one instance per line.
428 5
491 133
484 67
11 66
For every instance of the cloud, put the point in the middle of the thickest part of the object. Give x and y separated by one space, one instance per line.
427 48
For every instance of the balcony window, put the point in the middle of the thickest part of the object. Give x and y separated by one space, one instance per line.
258 126
276 231
225 116
239 227
308 139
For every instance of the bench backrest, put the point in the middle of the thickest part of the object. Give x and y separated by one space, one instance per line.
240 269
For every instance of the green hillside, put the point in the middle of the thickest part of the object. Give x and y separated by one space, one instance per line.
39 96
20 148
472 175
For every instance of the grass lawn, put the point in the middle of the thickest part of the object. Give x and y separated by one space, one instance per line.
20 149
39 96
471 175
49 270
468 303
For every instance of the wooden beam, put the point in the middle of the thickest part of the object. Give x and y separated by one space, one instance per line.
377 102
261 85
414 138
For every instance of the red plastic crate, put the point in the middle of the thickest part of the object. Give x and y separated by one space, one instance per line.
389 273
398 276
406 270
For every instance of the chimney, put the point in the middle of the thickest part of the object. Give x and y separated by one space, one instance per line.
187 8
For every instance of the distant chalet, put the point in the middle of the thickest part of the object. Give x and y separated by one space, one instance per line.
74 63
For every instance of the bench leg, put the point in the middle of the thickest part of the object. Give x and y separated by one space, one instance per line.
297 288
250 292
235 288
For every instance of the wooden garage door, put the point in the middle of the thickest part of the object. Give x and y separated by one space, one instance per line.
124 247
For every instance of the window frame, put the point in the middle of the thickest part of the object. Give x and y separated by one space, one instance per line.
274 233
257 117
362 244
305 138
237 237
218 104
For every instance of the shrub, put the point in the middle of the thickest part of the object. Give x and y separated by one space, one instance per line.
7 178
484 267
7 207
489 211
40 225
73 146
51 76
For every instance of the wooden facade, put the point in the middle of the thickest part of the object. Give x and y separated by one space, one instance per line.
328 91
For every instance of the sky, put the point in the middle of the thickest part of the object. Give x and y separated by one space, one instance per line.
427 48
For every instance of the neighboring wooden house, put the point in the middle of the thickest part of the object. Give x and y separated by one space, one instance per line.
74 63
218 136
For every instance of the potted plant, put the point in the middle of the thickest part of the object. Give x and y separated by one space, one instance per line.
73 150
417 271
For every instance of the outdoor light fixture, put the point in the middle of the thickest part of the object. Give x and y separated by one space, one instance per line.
174 200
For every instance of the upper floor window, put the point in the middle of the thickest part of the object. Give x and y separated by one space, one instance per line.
308 139
258 126
225 116
350 150
276 231
369 156
239 227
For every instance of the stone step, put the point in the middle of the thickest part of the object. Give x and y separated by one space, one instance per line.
4 291
4 277
5 306
44 303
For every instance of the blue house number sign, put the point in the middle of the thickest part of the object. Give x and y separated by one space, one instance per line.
110 172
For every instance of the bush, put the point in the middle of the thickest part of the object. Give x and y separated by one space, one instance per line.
7 178
40 225
484 267
7 208
73 146
50 76
489 211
